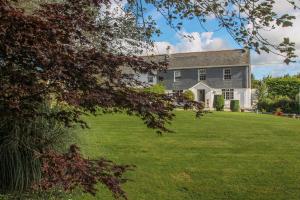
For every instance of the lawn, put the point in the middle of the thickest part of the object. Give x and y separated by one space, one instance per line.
221 156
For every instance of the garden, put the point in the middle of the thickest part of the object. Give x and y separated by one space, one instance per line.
76 123
279 95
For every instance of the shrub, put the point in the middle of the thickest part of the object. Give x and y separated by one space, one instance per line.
235 105
157 89
219 102
20 141
298 103
266 105
297 97
189 95
286 105
283 86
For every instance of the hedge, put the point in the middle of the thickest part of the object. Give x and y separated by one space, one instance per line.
235 105
286 104
284 86
219 102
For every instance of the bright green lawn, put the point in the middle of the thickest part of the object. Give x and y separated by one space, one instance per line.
221 156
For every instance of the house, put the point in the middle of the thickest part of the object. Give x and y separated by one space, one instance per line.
207 74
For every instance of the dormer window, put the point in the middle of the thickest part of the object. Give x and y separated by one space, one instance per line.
227 74
177 76
201 74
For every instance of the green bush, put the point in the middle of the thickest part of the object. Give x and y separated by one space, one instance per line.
265 105
219 102
20 142
189 95
298 103
283 86
297 98
235 105
286 104
157 89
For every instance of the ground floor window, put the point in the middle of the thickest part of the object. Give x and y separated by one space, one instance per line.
228 94
150 79
178 91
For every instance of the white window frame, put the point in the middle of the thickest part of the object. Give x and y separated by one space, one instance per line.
177 91
228 75
201 73
177 74
228 94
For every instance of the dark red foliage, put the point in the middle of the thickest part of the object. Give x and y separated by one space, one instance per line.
49 55
70 170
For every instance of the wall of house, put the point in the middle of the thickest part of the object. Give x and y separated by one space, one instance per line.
144 78
241 94
214 78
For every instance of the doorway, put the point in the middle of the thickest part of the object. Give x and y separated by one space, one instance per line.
201 96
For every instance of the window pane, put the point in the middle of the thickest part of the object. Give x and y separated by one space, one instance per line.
227 74
177 73
150 79
202 74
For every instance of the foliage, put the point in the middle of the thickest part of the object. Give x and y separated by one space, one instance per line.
70 51
235 105
254 83
238 18
280 93
262 91
74 171
283 86
219 102
157 89
284 103
20 140
298 97
189 95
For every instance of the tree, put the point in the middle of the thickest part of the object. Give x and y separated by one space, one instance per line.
254 83
189 95
74 52
64 53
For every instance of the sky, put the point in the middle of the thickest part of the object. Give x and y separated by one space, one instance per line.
212 39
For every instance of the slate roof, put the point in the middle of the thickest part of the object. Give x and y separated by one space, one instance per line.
236 57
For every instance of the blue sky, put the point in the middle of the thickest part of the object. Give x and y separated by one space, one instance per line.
210 39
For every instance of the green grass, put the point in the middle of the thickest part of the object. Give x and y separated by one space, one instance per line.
221 156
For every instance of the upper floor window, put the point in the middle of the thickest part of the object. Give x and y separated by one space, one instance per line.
150 79
227 74
201 74
228 94
177 76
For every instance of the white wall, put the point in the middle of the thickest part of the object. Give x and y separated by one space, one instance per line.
241 94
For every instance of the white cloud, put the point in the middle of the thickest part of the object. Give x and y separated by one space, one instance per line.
271 64
276 36
192 42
